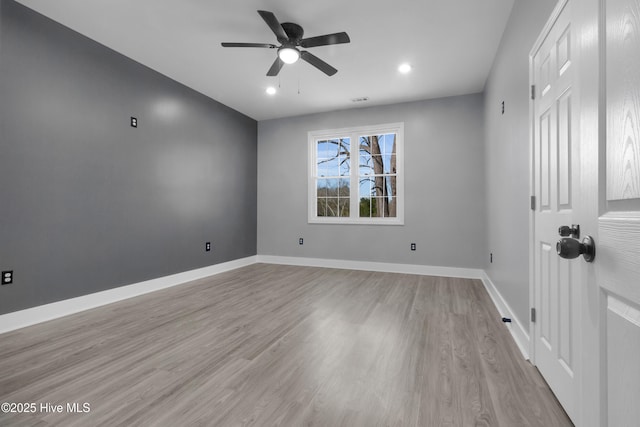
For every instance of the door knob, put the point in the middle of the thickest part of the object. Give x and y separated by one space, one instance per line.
569 248
566 231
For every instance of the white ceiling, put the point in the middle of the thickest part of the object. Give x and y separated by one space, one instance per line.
451 45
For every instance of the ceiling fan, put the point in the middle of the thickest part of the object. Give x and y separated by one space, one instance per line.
289 35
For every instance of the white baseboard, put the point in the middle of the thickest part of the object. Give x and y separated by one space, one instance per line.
425 270
43 313
518 332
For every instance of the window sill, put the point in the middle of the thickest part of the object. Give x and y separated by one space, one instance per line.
348 221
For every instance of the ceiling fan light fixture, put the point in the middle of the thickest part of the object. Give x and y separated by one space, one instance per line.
288 55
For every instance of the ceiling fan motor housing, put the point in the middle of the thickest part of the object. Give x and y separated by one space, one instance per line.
294 32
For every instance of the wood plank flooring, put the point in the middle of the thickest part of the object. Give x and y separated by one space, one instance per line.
284 346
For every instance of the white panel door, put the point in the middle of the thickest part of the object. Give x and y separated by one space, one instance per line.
556 280
618 257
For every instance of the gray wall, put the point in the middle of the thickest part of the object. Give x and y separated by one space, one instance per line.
444 187
507 155
88 203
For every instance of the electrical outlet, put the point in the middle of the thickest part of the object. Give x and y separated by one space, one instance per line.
491 258
301 241
7 277
134 122
207 246
413 246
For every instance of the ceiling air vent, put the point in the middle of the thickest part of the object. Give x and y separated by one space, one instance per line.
362 99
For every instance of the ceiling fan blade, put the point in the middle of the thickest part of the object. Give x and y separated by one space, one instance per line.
318 63
335 38
275 26
275 68
270 46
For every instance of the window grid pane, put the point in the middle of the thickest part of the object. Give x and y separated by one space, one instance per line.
332 188
377 176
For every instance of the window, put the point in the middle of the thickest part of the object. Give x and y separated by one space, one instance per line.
356 175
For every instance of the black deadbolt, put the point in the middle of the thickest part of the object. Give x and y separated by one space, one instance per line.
566 231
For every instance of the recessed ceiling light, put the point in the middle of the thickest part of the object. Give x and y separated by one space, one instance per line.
271 90
404 68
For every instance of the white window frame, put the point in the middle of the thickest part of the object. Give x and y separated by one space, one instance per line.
354 134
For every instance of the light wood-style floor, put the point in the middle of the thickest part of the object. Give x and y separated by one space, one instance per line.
281 345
